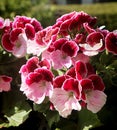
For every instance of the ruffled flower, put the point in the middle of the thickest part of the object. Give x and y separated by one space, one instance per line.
36 80
64 102
66 96
5 83
111 42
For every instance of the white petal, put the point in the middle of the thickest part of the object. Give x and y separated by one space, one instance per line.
20 51
90 53
73 104
33 48
95 100
93 48
58 98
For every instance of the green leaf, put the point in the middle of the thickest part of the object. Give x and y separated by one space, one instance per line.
15 108
87 120
18 118
67 124
52 117
106 59
43 107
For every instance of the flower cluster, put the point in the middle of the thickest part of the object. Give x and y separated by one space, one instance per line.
60 67
18 33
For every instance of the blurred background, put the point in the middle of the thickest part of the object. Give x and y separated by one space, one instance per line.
46 11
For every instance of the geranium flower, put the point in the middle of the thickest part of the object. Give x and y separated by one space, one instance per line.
94 44
43 41
66 97
31 65
46 36
64 102
5 83
92 87
80 70
73 22
6 43
30 25
64 51
36 80
19 36
111 42
90 83
39 85
15 42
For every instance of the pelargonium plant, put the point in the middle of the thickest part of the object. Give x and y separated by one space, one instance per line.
60 74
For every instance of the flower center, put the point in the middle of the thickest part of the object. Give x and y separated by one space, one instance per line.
42 83
18 44
71 94
64 56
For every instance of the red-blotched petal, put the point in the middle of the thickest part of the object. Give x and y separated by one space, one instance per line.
6 43
36 24
81 70
64 26
6 78
39 37
33 77
71 72
79 19
73 85
32 64
45 63
80 38
47 74
58 81
66 16
5 83
71 48
94 38
30 31
58 44
20 21
15 33
97 82
111 42
88 28
86 84
90 69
